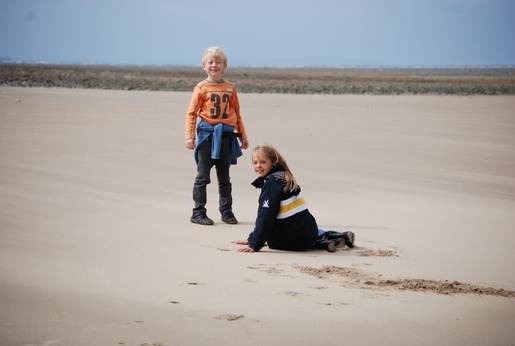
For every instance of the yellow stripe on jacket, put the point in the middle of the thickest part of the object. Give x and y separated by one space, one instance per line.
291 206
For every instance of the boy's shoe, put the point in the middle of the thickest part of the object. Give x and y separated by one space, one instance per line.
229 218
202 219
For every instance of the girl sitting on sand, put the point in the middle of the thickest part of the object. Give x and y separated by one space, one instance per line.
283 220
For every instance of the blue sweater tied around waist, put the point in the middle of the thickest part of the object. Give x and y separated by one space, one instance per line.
204 130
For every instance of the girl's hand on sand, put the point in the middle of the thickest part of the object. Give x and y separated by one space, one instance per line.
241 242
246 249
190 143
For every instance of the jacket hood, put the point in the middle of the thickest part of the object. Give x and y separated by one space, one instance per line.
259 182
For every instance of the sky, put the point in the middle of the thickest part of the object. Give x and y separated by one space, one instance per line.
291 33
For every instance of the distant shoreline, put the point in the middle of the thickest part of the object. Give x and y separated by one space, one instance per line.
503 69
466 80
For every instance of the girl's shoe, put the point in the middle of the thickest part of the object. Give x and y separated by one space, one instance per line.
330 245
349 239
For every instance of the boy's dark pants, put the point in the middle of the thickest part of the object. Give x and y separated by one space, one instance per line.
204 165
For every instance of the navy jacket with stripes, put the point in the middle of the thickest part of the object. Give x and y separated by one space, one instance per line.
283 219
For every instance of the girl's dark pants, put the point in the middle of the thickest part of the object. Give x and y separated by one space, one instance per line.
222 165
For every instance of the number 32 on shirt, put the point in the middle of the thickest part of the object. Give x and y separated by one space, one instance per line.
219 101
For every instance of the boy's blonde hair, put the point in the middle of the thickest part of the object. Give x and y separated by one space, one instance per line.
215 52
277 160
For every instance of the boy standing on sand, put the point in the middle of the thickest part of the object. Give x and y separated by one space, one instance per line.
213 140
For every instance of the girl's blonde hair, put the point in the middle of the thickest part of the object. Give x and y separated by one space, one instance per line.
215 52
277 160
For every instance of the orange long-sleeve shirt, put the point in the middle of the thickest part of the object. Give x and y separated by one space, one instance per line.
215 102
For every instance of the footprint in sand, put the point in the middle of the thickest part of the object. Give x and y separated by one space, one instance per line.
230 317
269 269
378 253
294 294
356 278
136 322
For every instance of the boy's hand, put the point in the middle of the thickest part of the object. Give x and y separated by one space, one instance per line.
244 144
190 143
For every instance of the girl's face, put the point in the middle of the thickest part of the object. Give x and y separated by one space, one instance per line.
214 68
262 164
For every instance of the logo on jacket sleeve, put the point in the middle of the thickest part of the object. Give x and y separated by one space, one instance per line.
265 204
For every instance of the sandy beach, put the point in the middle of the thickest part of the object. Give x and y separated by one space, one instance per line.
96 245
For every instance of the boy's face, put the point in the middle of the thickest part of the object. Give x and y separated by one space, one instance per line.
262 164
214 68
